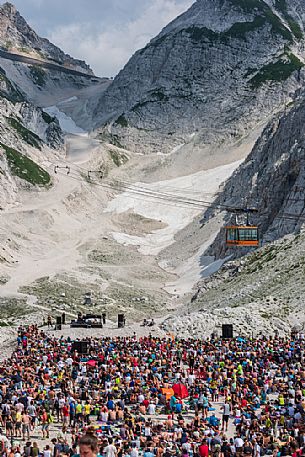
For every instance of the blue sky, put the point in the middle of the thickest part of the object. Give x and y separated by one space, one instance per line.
105 33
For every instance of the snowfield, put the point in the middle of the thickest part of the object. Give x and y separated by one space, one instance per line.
66 122
175 216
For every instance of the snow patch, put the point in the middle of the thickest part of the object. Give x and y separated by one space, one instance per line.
174 216
71 99
66 123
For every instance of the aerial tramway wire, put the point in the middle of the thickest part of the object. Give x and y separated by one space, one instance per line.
169 199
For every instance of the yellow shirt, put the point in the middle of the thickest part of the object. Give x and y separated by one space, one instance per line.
78 408
87 409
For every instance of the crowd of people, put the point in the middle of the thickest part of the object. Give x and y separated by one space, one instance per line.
156 397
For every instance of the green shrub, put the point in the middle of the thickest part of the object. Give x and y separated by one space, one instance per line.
24 50
38 75
8 44
260 6
277 71
200 33
47 118
25 168
110 138
281 6
118 158
240 29
29 137
122 121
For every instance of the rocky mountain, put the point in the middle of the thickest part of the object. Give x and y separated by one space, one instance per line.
34 74
259 294
28 138
43 72
211 75
271 179
18 37
263 291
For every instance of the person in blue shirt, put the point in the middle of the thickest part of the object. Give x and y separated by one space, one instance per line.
148 453
213 421
110 404
72 411
172 403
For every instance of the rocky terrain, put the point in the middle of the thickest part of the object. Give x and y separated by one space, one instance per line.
264 291
259 294
210 76
43 72
271 179
28 137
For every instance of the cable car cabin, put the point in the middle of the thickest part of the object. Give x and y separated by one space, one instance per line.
242 236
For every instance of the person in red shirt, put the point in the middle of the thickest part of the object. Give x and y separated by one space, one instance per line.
65 414
204 449
44 424
146 403
244 403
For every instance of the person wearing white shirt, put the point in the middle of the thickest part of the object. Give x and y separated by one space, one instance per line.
134 451
69 361
191 379
238 442
151 408
110 450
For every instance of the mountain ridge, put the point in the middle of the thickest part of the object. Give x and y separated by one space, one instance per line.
16 35
193 79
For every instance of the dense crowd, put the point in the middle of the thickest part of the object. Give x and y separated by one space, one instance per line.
157 397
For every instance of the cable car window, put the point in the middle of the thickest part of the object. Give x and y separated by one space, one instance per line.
232 234
246 234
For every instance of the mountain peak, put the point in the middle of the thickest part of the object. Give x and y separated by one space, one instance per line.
9 8
188 78
17 37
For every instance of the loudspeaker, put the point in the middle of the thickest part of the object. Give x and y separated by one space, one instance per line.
88 300
104 318
58 323
80 346
63 318
121 320
227 331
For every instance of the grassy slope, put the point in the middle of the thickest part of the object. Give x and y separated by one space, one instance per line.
25 168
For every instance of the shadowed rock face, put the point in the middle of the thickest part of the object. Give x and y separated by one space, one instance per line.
272 179
17 35
215 71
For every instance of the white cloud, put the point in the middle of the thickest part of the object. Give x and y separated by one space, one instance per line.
108 47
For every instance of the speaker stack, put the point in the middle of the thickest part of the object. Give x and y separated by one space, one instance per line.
121 320
81 347
58 323
227 331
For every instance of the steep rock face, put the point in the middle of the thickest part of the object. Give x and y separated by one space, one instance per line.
13 102
272 179
17 36
46 75
26 134
214 72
